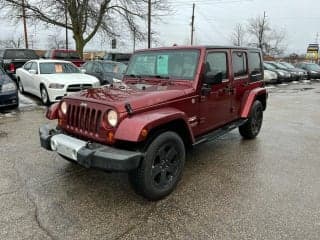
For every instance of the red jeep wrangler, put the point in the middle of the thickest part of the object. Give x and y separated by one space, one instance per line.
170 99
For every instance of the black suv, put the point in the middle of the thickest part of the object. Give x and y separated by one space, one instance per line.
11 59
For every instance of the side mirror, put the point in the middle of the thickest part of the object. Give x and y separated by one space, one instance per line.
211 78
32 71
83 70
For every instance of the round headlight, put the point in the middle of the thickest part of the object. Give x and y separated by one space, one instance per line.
63 107
112 118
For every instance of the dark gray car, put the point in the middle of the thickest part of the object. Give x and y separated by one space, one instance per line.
105 71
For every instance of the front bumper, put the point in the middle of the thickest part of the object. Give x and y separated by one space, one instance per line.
89 155
9 99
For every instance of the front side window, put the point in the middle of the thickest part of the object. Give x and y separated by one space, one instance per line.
217 62
34 66
174 64
27 66
239 64
57 67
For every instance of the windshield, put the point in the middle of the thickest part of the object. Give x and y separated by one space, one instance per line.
20 54
178 64
66 55
313 67
57 67
117 68
287 65
269 66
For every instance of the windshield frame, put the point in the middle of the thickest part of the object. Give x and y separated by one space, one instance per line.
166 77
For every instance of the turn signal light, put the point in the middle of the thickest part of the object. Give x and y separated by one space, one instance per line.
144 133
110 137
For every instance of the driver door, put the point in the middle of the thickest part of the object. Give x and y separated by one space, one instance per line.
215 104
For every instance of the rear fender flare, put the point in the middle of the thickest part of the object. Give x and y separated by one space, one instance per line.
250 97
130 128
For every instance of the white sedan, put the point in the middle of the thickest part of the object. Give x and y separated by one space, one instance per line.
52 79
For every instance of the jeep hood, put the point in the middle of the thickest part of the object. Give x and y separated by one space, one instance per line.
139 96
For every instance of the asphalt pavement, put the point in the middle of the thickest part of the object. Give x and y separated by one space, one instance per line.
267 188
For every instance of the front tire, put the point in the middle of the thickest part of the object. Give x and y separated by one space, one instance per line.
44 96
161 169
20 86
252 127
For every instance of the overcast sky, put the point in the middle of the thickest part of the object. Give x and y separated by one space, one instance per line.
214 22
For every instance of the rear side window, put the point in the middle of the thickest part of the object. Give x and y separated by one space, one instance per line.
255 66
20 54
239 64
217 62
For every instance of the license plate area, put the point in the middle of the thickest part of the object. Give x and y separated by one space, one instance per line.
66 145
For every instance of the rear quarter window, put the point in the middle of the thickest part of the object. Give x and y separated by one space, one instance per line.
255 66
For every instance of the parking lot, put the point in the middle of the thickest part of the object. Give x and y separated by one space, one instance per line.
268 188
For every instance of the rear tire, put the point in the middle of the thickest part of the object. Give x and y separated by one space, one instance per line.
44 96
252 127
161 169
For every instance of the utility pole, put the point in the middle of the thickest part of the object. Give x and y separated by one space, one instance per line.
192 23
25 24
66 15
149 23
317 38
134 39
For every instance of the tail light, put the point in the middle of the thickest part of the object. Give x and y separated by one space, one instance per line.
12 68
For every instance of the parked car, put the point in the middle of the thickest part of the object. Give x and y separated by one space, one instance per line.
8 91
66 55
303 74
283 76
312 69
270 76
11 59
105 71
52 79
295 75
170 100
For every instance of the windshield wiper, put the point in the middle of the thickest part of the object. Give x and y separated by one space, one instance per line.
161 77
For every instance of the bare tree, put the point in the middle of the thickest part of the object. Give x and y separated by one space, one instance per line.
87 17
258 28
55 41
238 35
269 40
12 42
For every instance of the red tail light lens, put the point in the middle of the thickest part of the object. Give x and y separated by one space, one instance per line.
11 67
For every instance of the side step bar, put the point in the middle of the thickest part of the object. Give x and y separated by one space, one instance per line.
220 132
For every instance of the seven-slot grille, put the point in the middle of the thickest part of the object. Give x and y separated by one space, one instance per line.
78 87
84 118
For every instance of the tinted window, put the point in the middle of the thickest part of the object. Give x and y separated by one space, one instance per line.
217 62
88 67
239 64
96 68
255 66
20 54
114 67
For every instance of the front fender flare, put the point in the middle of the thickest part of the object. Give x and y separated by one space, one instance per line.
249 99
130 128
